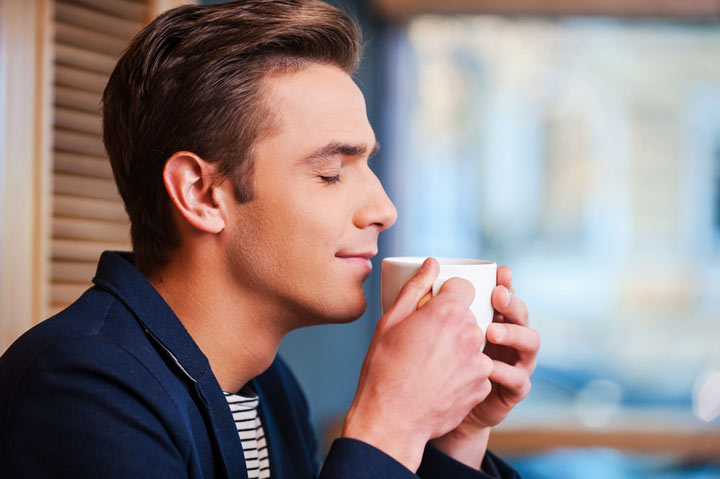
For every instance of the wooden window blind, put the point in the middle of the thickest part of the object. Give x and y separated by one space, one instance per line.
88 215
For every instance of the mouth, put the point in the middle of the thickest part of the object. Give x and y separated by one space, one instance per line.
359 260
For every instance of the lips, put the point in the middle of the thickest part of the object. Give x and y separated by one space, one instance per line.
359 260
366 255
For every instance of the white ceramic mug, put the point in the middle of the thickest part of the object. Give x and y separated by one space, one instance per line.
482 274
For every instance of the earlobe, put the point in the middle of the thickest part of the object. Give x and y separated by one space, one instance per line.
190 181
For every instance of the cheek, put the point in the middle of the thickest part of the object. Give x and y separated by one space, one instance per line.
317 223
304 222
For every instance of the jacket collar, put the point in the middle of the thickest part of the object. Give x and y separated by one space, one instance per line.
116 274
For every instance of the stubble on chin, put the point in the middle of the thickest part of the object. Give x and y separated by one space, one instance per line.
336 311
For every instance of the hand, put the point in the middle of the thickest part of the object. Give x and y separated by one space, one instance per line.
424 370
513 347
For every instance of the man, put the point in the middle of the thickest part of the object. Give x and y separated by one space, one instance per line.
239 144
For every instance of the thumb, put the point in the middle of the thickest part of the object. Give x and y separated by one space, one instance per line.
413 291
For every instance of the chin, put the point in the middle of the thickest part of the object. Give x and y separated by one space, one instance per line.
354 314
345 312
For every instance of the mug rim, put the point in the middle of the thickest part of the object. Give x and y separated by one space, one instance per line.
444 261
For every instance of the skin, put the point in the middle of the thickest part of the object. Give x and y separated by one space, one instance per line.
513 347
296 255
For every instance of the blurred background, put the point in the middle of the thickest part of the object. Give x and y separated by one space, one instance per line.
576 141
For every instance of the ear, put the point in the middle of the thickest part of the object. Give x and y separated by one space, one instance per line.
191 183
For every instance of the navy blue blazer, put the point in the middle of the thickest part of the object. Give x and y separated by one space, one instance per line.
115 387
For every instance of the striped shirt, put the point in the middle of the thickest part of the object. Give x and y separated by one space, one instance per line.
244 408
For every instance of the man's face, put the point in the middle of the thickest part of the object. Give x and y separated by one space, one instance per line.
303 243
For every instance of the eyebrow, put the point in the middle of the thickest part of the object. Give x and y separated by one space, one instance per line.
336 148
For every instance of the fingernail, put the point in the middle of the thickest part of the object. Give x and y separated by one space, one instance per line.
500 331
425 265
508 296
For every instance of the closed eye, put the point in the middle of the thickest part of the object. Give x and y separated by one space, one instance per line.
330 179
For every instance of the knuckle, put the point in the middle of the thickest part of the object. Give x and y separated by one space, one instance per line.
460 286
532 366
529 338
456 310
482 365
486 364
465 284
477 336
468 333
449 309
461 340
519 383
536 339
441 310
525 388
454 283
483 389
524 315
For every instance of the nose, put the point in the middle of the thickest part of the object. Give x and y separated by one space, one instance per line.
375 209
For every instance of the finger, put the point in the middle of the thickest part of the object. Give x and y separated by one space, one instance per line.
504 278
470 317
515 380
510 306
411 292
424 299
459 289
526 341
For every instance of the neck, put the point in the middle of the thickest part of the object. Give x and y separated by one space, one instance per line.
238 332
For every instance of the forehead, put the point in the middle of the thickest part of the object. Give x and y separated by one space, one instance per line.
317 105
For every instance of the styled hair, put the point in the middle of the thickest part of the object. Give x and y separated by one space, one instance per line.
192 81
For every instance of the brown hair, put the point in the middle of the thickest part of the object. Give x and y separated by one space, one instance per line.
192 81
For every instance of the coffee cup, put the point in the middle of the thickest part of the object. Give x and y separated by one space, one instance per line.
481 273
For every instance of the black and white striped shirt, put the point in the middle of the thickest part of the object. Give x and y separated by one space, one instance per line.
244 408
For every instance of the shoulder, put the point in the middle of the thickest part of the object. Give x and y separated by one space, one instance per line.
62 374
89 404
92 393
86 317
81 319
92 346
